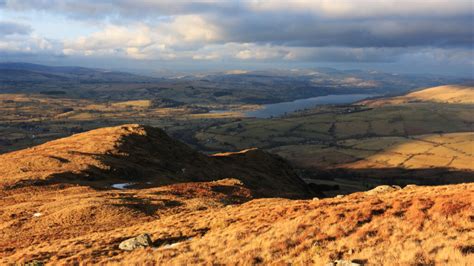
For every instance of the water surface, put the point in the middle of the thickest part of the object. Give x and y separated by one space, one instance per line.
278 109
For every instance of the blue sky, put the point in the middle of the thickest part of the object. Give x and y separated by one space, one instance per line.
429 36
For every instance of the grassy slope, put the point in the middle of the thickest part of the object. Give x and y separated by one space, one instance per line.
146 156
441 94
209 225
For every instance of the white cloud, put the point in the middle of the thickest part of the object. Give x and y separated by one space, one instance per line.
191 28
438 31
257 52
28 44
142 41
209 56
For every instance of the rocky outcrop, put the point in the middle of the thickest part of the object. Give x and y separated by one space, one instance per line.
140 241
382 189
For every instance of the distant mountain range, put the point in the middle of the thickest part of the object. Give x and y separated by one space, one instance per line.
21 72
240 86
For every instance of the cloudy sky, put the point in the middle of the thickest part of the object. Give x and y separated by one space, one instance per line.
431 36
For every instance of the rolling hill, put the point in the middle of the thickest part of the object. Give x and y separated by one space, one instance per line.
12 72
454 94
143 156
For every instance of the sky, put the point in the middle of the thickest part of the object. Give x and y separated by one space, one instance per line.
405 36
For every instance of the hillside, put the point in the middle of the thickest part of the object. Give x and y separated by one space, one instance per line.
143 156
30 73
76 199
219 223
445 94
454 94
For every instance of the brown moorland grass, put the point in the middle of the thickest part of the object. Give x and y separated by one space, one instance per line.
442 94
71 215
208 223
145 156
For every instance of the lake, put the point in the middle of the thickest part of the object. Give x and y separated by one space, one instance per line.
278 109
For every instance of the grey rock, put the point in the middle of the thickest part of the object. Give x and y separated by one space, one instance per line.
34 263
140 241
382 189
343 263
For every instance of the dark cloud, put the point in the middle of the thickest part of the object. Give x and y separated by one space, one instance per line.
414 23
341 55
362 31
308 31
10 28
123 9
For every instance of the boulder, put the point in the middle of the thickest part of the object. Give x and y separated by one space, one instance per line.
141 241
343 263
382 189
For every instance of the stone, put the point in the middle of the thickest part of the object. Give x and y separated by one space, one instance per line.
140 241
339 196
343 263
382 189
34 263
315 198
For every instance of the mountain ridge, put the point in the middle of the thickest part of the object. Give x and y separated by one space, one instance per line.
147 157
21 72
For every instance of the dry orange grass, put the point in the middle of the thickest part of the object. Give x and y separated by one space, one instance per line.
441 94
133 104
412 226
73 154
72 220
35 217
445 94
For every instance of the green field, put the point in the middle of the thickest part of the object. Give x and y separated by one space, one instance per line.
327 126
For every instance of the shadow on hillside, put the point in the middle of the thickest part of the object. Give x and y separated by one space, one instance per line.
343 181
147 157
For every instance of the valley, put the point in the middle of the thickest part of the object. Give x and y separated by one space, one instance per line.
240 133
87 166
369 143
